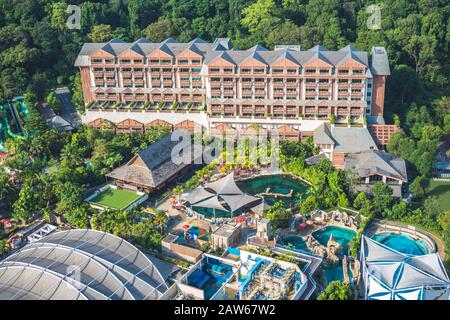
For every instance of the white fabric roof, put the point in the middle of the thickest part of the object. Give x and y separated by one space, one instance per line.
197 195
226 185
235 202
404 276
213 203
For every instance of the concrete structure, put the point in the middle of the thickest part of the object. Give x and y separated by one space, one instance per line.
171 247
226 236
211 84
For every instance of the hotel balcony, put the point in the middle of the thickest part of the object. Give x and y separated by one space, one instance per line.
342 112
139 82
291 84
99 83
167 84
246 84
291 94
278 110
356 111
228 91
247 110
259 84
167 74
112 97
216 92
278 84
230 109
184 73
215 83
139 97
184 98
138 73
228 84
357 86
260 109
127 82
310 111
110 74
343 86
168 98
98 73
111 82
156 84
291 110
197 83
217 109
197 98
126 74
185 83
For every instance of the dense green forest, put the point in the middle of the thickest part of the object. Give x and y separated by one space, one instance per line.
37 53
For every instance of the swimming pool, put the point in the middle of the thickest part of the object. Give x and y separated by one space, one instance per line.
402 243
340 235
334 272
297 242
279 183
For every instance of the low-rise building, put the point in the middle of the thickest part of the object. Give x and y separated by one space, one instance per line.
226 236
173 248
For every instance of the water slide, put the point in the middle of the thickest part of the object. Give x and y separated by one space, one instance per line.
10 121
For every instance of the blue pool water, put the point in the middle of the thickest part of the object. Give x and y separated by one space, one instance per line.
334 272
297 242
341 236
402 243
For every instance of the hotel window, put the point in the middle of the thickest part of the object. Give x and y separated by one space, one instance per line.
228 70
343 81
139 95
98 69
214 70
343 71
167 79
184 70
369 85
109 60
183 61
291 80
246 70
279 80
258 70
324 71
137 61
323 81
166 61
310 80
309 71
98 60
356 81
138 69
196 79
195 70
277 70
357 71
154 61
154 70
292 71
259 80
246 80
125 60
356 91
196 61
369 94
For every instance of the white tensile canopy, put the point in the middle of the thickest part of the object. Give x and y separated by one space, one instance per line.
213 203
197 195
391 275
224 186
259 208
236 202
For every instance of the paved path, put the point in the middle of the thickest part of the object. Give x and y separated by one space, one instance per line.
68 110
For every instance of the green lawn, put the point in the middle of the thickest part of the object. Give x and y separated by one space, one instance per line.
115 199
440 190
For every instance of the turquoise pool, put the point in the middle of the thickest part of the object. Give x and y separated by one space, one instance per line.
279 183
297 242
402 243
335 272
341 235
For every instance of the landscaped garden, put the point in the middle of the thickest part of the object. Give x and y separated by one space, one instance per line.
440 190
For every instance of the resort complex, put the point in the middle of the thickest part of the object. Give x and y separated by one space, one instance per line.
286 157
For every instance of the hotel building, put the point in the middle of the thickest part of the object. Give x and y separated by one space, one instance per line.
140 84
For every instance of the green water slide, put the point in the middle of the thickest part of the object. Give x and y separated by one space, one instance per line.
9 116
